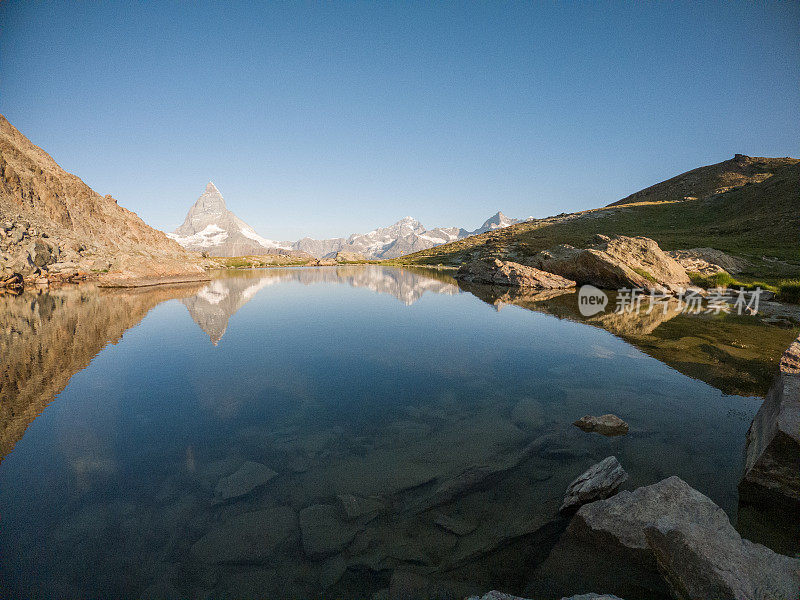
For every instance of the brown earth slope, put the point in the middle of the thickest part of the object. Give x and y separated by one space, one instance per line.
51 221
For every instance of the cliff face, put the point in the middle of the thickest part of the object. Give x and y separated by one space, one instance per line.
52 222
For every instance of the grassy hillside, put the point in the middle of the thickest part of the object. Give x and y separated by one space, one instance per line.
758 221
710 180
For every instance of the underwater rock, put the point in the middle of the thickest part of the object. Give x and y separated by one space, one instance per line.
323 531
609 425
247 538
598 481
248 477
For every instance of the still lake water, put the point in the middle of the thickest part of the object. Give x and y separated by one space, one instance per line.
361 393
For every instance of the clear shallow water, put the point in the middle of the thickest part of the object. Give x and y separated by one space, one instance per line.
371 382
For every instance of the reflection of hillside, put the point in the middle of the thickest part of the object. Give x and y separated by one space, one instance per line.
737 355
218 301
46 338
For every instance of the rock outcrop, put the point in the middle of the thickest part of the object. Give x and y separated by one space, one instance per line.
498 272
343 256
609 425
772 462
53 226
708 261
671 527
698 563
614 263
597 482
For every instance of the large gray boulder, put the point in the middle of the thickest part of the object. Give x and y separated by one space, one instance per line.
772 464
500 272
772 460
700 563
598 481
672 527
614 263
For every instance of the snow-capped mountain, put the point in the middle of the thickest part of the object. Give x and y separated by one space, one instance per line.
211 227
404 237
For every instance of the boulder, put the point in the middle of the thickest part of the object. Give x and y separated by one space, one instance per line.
790 361
499 272
609 424
615 263
772 455
700 563
248 477
617 524
673 528
708 261
598 481
323 531
251 537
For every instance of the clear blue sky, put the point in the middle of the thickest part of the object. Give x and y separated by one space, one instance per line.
325 119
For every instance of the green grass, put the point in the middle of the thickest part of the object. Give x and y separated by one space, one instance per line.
754 222
644 274
789 291
725 280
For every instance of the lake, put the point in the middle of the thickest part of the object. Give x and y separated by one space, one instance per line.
306 433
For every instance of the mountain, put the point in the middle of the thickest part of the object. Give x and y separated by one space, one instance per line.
756 218
52 223
707 181
404 237
211 227
496 221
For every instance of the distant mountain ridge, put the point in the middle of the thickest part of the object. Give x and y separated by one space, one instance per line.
210 227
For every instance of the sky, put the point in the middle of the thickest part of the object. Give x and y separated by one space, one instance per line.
326 119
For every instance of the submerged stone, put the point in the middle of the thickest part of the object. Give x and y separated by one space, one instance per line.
248 477
251 537
323 531
598 481
609 424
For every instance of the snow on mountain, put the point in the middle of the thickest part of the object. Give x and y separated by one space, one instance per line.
211 227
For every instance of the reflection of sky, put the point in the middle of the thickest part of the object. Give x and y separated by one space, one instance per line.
310 359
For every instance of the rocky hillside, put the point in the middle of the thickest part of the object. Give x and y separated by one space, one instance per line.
758 221
53 225
710 180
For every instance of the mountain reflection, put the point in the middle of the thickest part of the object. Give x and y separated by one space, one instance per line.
46 337
218 301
